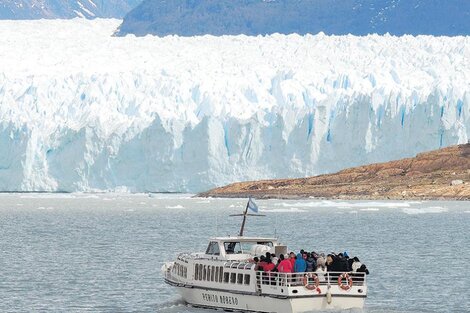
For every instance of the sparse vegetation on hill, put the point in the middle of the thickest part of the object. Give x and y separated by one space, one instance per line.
439 174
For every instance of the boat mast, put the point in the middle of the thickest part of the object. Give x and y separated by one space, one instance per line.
244 219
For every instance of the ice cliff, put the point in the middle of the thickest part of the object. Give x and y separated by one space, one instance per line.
186 114
338 17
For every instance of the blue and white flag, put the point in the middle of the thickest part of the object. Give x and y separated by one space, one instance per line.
252 205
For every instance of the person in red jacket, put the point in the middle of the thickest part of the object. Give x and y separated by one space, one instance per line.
269 266
285 265
292 259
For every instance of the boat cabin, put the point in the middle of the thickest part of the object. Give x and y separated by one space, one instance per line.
241 248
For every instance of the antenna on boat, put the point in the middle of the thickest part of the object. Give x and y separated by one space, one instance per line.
249 205
275 225
216 225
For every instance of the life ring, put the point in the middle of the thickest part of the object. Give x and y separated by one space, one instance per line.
315 285
348 279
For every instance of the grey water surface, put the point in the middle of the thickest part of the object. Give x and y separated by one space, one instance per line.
103 252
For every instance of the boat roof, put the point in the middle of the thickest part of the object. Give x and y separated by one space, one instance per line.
243 238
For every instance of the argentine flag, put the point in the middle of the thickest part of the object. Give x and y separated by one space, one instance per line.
252 205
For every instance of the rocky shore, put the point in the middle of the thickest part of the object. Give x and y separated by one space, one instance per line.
442 174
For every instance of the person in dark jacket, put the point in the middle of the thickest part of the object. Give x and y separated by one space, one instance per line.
311 264
332 264
342 263
363 269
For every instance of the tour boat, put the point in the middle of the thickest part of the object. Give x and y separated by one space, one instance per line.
225 277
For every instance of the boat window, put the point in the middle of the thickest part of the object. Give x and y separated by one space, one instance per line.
213 248
247 279
221 272
199 269
240 279
237 247
226 277
232 247
213 273
233 278
204 273
216 274
185 272
265 243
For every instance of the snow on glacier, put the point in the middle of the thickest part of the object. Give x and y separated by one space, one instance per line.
81 110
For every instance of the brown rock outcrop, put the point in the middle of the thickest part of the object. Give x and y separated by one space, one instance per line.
429 175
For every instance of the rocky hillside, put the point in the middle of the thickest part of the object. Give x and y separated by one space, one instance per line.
439 174
339 17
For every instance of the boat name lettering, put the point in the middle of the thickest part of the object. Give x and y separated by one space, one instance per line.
220 299
210 298
228 300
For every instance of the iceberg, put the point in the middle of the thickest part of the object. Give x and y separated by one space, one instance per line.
85 111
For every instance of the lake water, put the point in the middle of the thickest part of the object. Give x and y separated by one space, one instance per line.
103 253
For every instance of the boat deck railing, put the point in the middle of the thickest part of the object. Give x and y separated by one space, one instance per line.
300 279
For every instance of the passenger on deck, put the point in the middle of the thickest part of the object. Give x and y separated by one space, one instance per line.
274 259
332 264
256 261
269 266
342 263
356 264
363 269
262 263
292 258
300 265
285 265
321 269
311 264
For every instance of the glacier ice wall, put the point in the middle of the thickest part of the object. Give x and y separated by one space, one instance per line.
81 110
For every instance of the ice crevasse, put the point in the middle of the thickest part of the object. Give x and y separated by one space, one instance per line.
81 110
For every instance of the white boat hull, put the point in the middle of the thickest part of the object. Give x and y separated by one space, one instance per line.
264 303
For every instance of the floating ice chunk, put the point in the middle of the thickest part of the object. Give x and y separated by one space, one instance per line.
352 204
179 206
48 196
291 210
429 210
45 208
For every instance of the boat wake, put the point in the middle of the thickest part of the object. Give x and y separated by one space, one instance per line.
172 306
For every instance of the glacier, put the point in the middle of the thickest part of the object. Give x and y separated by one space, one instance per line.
81 110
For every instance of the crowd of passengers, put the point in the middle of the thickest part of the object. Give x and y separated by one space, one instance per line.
309 262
